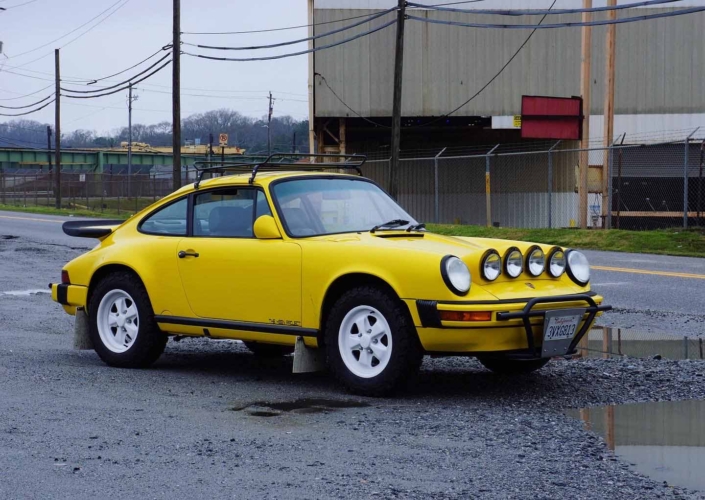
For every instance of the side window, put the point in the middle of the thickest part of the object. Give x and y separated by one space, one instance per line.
262 205
170 220
224 213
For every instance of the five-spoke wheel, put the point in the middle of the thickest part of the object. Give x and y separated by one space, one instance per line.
365 341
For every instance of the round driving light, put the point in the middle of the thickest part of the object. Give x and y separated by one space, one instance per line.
491 266
536 262
557 263
456 275
578 267
513 262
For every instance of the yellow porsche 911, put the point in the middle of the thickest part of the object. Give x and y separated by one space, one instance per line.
290 254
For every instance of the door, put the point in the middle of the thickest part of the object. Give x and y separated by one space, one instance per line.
227 273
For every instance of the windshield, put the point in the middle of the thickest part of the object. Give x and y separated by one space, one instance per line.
312 207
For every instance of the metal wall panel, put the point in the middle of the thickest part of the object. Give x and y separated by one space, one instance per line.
660 65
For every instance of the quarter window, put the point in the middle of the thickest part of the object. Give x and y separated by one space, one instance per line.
224 213
170 220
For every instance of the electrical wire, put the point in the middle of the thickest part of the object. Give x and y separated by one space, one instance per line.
292 54
300 40
501 70
70 32
22 96
122 88
543 12
166 47
28 105
323 78
19 4
103 89
30 112
563 25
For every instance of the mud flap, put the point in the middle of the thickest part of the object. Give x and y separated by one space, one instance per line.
81 339
306 359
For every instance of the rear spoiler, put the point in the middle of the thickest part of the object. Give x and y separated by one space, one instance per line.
91 228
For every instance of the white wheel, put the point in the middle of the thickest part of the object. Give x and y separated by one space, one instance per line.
365 341
118 321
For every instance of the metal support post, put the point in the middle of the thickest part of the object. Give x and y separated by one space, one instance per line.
608 198
488 193
685 177
436 211
550 184
700 181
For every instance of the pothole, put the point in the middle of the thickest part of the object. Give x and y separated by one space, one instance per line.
306 405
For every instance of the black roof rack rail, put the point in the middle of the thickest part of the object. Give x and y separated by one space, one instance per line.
274 162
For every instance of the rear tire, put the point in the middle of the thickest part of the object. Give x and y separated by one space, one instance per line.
513 366
268 350
121 323
371 344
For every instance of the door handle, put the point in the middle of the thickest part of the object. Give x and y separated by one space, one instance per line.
189 253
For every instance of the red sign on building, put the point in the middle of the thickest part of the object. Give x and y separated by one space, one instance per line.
551 117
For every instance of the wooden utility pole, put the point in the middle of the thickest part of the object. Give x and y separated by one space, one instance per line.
57 127
585 80
608 111
269 125
176 96
311 81
396 107
130 100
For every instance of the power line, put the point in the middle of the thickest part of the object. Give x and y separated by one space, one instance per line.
30 112
102 89
22 96
166 47
120 89
70 32
28 105
292 54
501 70
19 5
300 40
531 12
346 105
563 25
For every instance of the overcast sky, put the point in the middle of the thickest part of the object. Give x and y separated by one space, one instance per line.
135 30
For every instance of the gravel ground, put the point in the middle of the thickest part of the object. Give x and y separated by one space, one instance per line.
199 423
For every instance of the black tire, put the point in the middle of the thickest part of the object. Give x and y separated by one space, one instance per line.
150 341
406 354
513 366
268 350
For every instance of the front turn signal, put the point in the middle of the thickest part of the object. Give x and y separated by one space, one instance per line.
465 315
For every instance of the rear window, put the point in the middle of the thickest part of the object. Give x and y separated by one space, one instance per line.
170 220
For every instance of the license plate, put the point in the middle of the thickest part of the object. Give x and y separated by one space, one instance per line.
559 328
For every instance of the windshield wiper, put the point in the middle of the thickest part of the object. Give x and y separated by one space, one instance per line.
416 227
390 224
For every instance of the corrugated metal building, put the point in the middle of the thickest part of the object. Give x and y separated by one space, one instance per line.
660 73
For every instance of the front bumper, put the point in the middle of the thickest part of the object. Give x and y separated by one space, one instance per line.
515 329
69 296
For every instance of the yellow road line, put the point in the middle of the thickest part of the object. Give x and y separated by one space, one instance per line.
31 218
646 271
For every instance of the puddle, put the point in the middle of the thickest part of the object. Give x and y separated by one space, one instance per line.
273 409
665 441
617 342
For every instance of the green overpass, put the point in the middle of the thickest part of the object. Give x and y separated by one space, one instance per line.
88 160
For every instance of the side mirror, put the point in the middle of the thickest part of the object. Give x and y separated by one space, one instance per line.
266 228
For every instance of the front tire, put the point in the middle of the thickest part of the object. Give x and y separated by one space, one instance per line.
513 366
122 326
371 345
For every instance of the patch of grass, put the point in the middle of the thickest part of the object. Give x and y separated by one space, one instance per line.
682 242
106 214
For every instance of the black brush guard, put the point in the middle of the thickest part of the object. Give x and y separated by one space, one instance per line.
527 313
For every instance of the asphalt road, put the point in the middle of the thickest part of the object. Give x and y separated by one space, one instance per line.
202 423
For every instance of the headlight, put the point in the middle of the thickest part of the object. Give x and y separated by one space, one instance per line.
456 275
556 263
536 261
491 265
578 267
513 262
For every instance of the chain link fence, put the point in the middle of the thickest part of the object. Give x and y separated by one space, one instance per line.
655 185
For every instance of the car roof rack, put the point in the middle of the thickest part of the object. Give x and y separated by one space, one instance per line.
276 162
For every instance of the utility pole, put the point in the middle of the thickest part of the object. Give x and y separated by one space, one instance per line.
51 173
396 107
293 143
269 125
57 127
210 146
585 81
130 100
608 111
176 96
